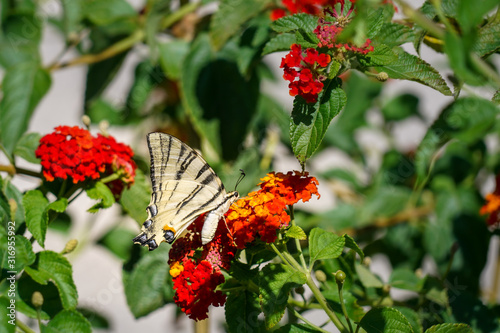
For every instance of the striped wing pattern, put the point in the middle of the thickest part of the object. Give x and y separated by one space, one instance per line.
184 187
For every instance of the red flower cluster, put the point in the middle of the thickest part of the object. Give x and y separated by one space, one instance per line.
301 6
196 276
492 206
72 152
263 212
307 66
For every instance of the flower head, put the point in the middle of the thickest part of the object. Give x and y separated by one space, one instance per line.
263 212
72 152
307 66
291 7
492 206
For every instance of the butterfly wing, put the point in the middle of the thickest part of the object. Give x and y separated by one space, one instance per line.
184 187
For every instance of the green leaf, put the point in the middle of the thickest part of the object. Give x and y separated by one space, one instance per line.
102 12
324 245
99 191
394 34
367 278
35 204
21 35
26 147
404 278
7 318
96 319
24 85
117 241
281 42
135 199
210 101
470 14
26 286
458 50
101 110
242 310
351 243
149 285
68 321
413 318
496 98
387 320
54 267
400 107
73 12
310 121
467 119
172 55
291 23
487 41
275 283
23 254
230 17
296 232
450 328
410 67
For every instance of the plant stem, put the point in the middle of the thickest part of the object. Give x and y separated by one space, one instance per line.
179 14
298 315
297 241
322 301
12 170
24 327
275 249
344 310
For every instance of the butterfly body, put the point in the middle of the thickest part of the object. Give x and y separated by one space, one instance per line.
184 187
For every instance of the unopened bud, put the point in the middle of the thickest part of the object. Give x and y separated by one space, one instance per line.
320 276
382 76
386 289
86 121
340 277
103 127
367 261
70 246
419 273
37 299
13 207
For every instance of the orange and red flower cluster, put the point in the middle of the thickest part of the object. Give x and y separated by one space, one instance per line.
492 206
263 212
314 7
307 66
72 152
196 275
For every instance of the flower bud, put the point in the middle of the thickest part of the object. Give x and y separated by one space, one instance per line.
419 273
367 261
86 121
386 289
382 76
320 276
13 207
103 127
70 246
37 299
340 277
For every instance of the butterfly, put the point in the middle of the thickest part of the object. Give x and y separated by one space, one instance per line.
184 187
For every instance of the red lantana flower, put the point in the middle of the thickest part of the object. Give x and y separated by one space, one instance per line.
307 66
492 206
72 152
196 276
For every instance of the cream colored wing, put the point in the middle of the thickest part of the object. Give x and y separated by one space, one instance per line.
184 187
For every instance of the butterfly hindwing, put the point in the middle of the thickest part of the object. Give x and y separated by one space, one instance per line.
184 187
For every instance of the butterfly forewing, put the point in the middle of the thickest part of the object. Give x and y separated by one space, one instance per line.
184 187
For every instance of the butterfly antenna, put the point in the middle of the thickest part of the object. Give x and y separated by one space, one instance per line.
242 175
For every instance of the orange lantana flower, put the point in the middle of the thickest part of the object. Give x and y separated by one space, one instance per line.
492 206
263 212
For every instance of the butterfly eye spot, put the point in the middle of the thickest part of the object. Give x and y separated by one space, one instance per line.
169 236
152 244
153 210
147 224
